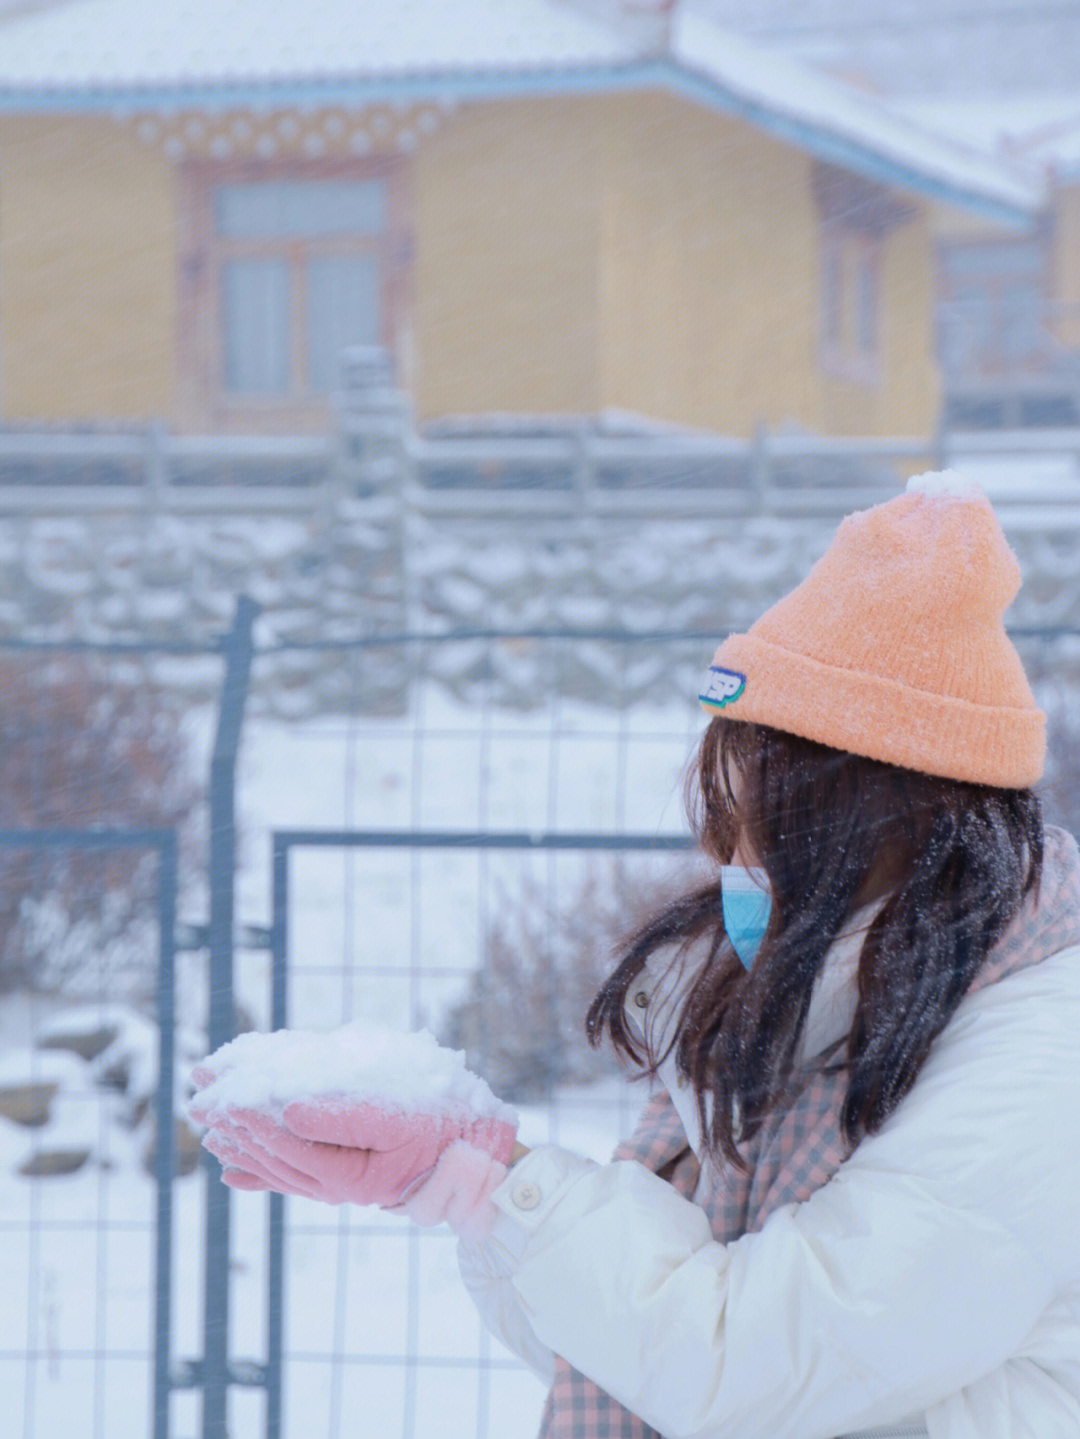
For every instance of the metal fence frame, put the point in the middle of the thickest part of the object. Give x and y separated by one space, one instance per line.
283 842
163 843
212 1372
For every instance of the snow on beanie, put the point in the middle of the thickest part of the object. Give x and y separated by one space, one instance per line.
893 647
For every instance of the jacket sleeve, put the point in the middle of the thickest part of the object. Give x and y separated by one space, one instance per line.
486 1271
918 1270
487 1267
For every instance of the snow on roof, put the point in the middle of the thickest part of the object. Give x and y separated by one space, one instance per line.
117 55
120 43
895 148
1056 143
1040 128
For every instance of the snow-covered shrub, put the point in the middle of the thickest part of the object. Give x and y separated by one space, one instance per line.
82 747
521 1021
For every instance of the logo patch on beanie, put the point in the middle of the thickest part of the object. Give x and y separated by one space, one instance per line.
721 687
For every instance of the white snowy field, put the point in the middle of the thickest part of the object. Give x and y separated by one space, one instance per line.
381 1339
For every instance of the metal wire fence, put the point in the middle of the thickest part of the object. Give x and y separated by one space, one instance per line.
409 854
477 860
99 819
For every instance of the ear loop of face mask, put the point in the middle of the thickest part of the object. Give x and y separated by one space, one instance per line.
746 905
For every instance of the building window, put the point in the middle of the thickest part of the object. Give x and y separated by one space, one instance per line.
292 269
832 294
866 298
850 303
857 216
993 307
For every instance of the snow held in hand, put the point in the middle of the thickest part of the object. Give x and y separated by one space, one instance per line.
409 1073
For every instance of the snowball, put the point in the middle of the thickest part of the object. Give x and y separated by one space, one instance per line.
945 485
410 1073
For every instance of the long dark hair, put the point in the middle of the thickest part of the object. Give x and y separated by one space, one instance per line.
948 862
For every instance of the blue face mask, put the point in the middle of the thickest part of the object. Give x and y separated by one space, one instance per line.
746 904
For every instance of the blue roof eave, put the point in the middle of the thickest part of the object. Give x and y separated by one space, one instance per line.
846 151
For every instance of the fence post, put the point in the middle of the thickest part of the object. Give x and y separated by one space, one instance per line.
940 456
157 470
164 1161
761 468
275 1278
221 1020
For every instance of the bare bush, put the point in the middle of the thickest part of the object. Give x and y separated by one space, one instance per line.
82 748
522 1019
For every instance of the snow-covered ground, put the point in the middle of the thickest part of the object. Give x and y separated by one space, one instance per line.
381 1339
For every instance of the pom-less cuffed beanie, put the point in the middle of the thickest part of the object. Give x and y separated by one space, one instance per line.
894 645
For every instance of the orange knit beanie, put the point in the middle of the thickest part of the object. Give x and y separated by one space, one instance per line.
893 646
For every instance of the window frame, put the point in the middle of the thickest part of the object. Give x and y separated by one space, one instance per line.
856 216
848 256
206 398
993 360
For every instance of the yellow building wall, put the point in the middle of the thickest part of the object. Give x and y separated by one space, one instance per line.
87 273
711 284
709 269
569 254
507 212
904 399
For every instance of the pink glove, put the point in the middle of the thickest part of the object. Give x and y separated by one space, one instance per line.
363 1153
457 1192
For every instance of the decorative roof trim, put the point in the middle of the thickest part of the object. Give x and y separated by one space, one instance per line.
993 202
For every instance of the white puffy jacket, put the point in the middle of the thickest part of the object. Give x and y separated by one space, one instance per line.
932 1286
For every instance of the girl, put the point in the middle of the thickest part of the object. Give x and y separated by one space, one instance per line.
850 1205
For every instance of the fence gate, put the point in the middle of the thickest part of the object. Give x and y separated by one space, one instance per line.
284 844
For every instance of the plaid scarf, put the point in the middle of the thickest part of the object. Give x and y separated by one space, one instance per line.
798 1150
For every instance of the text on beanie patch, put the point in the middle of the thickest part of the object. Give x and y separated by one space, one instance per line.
721 687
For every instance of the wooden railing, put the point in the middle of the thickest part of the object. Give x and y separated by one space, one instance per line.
566 474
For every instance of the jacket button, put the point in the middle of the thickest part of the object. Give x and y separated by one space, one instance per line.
641 999
525 1196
